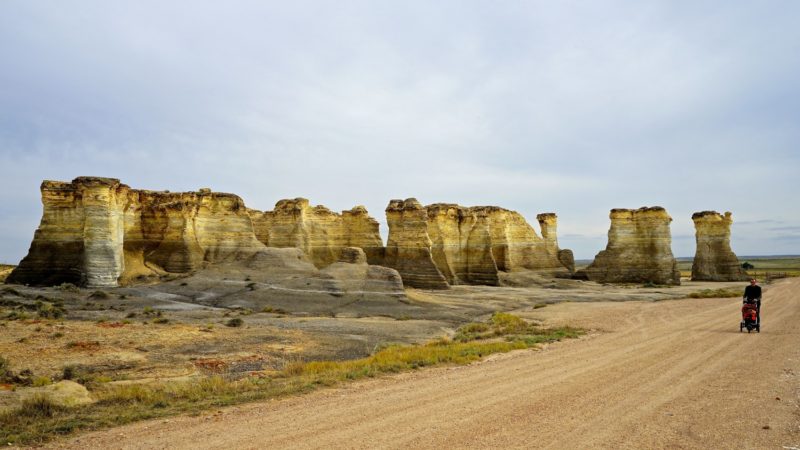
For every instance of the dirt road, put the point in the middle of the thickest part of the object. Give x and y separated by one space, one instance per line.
671 374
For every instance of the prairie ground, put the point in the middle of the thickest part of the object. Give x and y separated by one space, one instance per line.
666 374
193 328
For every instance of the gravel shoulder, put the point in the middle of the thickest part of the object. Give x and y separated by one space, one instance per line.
666 374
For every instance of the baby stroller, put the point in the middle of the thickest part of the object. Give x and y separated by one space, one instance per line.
750 319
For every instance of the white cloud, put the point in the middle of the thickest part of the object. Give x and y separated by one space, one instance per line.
535 106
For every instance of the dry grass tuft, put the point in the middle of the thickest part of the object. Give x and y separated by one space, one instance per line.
716 293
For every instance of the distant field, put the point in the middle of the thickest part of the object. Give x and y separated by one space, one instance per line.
762 265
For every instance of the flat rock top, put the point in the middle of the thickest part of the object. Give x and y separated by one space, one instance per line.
643 209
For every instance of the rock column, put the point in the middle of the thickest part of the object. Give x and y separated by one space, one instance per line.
638 250
714 260
409 248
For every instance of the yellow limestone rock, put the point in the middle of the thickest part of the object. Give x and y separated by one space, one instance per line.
548 223
318 231
79 239
409 247
714 260
460 244
638 250
99 232
467 245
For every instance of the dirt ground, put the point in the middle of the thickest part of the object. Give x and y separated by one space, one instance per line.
178 328
665 374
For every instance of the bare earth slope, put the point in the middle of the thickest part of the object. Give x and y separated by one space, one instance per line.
671 374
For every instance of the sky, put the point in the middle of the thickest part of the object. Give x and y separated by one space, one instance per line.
572 107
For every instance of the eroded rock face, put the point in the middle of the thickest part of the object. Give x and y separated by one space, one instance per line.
714 260
460 244
318 231
408 249
638 250
354 276
466 245
99 232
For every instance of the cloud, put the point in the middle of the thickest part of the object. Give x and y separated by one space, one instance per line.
534 106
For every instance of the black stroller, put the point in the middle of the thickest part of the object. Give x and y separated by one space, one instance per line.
751 317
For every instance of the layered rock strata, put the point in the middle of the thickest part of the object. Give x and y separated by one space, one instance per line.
318 231
444 244
408 248
638 250
714 260
99 232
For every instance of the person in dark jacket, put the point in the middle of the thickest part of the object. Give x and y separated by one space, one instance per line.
752 294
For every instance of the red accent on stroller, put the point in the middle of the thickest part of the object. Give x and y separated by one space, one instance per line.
750 318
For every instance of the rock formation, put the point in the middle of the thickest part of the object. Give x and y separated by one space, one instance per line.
99 232
409 247
638 250
318 231
446 243
354 276
714 260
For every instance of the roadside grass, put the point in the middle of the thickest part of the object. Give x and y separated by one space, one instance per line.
118 404
717 293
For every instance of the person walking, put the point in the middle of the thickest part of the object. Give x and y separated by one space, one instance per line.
752 294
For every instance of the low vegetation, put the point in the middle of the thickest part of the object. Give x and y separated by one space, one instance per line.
39 420
717 293
235 322
5 270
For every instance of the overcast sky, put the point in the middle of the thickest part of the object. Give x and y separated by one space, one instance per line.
537 106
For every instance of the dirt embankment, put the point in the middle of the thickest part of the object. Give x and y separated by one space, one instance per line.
669 374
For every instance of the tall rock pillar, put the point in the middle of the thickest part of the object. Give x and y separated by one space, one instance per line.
639 249
103 230
714 260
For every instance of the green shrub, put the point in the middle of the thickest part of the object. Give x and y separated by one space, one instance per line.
5 369
69 372
17 315
41 381
49 311
99 295
506 323
38 406
68 287
235 322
